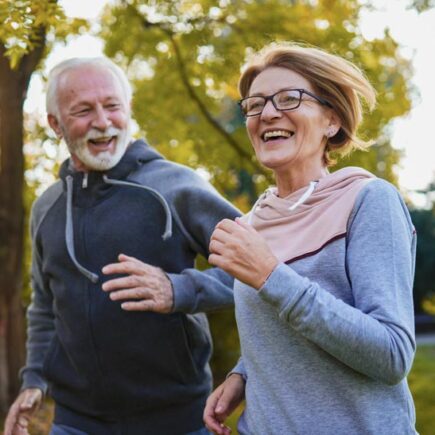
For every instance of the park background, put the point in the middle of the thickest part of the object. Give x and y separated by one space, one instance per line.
183 58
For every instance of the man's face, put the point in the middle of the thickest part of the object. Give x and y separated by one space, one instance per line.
94 117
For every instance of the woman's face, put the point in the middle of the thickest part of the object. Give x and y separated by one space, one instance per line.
295 138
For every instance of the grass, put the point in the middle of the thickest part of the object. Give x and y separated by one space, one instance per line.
421 382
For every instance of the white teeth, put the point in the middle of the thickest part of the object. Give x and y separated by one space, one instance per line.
276 133
101 139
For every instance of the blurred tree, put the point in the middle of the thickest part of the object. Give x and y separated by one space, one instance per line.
422 5
424 284
28 31
184 59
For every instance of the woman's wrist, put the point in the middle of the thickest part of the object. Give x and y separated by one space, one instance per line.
271 265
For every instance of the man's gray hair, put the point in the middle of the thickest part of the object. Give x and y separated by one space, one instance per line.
77 62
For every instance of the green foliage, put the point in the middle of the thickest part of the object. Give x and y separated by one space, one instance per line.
184 58
225 337
422 5
422 384
424 283
27 24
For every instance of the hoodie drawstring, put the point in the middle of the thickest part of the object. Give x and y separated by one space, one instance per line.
69 230
168 225
305 196
300 201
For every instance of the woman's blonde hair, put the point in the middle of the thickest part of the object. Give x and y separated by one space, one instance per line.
335 79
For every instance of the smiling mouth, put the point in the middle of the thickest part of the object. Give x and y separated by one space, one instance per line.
276 134
104 141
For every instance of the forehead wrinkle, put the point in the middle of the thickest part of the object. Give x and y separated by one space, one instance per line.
89 84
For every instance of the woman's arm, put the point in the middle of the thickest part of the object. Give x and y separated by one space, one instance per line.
375 336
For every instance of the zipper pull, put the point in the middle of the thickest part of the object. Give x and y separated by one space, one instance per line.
85 180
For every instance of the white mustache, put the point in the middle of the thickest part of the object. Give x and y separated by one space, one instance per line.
98 134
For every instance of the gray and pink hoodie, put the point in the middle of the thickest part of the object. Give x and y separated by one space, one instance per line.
328 340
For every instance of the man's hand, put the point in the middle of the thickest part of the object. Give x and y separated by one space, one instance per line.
222 402
148 284
22 410
241 251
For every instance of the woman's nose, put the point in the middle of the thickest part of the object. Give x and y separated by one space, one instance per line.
270 112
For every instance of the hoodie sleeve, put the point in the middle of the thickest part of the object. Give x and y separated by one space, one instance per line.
376 335
197 209
40 319
239 369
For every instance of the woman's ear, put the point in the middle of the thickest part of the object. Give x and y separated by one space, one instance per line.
55 125
334 125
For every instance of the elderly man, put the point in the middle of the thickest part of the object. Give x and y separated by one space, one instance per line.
109 366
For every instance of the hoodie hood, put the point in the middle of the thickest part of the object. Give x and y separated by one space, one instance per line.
97 182
305 221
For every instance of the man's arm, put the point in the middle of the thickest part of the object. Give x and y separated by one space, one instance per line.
149 288
40 316
40 320
196 209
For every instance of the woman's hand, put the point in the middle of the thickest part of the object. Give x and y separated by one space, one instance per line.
239 250
222 402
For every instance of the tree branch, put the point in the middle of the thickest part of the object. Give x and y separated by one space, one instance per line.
245 155
201 106
30 61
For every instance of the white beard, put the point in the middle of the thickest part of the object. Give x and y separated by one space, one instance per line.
105 160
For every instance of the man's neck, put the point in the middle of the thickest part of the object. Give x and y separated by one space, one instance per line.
78 165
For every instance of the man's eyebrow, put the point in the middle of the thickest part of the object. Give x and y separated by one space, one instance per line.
79 105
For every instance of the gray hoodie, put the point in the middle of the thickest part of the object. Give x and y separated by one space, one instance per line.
328 340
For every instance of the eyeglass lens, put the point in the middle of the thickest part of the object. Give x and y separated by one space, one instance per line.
283 100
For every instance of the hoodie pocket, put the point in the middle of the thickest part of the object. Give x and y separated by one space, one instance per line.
182 349
59 370
49 357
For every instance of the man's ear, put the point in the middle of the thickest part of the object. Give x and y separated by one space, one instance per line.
55 125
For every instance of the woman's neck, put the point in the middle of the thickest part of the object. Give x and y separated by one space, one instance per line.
288 182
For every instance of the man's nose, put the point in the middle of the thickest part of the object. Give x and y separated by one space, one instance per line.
101 120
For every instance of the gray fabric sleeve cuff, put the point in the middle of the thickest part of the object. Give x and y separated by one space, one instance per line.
33 380
284 287
184 292
239 369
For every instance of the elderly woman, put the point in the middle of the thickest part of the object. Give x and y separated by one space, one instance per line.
323 264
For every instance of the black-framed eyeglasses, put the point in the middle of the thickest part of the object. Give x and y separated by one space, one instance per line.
286 99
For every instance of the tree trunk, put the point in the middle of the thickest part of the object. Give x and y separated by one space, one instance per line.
13 87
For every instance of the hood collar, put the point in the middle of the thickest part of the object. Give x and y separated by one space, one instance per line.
308 219
137 154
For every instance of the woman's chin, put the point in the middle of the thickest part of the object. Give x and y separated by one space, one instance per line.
275 163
